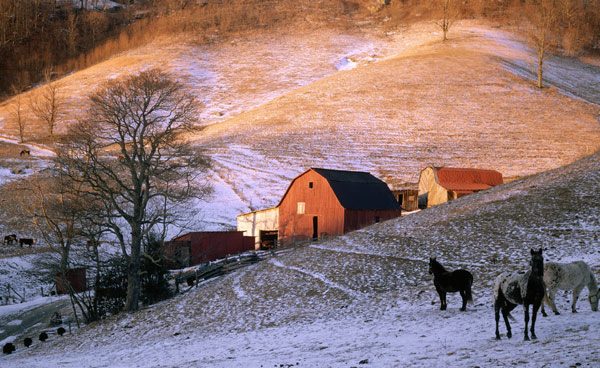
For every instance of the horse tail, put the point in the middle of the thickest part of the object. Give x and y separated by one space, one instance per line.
468 292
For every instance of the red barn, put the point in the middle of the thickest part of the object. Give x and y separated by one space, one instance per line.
197 247
333 202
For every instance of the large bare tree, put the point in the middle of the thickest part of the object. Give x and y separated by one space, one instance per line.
132 154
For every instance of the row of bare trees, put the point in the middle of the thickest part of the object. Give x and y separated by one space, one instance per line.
125 171
40 34
550 26
46 104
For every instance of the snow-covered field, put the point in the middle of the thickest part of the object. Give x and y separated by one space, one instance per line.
390 103
366 299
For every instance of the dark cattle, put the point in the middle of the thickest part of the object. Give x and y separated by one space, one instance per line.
61 331
10 238
25 153
26 241
8 348
27 342
43 336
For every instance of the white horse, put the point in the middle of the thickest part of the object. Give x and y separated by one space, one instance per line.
569 276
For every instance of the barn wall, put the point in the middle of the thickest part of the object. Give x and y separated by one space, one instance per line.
177 253
437 195
76 278
252 223
209 246
428 186
320 201
357 219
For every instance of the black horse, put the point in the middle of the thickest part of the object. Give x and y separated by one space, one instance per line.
451 282
521 288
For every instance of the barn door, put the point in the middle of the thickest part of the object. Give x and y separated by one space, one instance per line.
315 228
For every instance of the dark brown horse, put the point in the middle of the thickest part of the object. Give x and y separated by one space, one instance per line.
451 282
526 288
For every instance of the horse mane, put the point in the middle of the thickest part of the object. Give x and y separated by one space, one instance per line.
437 265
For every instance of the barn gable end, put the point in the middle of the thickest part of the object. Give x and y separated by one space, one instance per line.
321 202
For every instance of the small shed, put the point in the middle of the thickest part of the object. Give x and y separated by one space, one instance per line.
407 198
322 202
262 225
441 184
77 280
198 247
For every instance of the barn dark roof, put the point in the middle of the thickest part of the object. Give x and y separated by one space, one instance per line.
357 190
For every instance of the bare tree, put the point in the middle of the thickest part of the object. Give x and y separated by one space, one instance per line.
132 155
449 14
71 29
542 16
17 110
47 103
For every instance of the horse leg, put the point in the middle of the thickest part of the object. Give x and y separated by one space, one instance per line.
463 295
535 308
576 293
526 309
505 313
443 299
549 298
497 316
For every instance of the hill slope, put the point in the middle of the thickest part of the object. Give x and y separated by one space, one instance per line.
367 296
279 102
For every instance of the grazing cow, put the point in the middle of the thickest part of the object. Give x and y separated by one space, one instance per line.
25 152
10 238
26 241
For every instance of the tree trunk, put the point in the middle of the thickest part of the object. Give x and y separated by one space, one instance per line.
133 273
539 73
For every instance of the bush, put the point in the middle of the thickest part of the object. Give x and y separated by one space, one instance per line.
111 289
155 273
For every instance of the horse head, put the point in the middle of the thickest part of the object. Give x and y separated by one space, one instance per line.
431 262
537 262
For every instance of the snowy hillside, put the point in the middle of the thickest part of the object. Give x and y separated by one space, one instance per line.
366 299
407 101
364 98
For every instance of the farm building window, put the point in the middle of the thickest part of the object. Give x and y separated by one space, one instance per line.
301 208
310 184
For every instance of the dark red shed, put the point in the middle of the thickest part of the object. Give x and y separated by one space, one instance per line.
333 202
77 280
197 247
